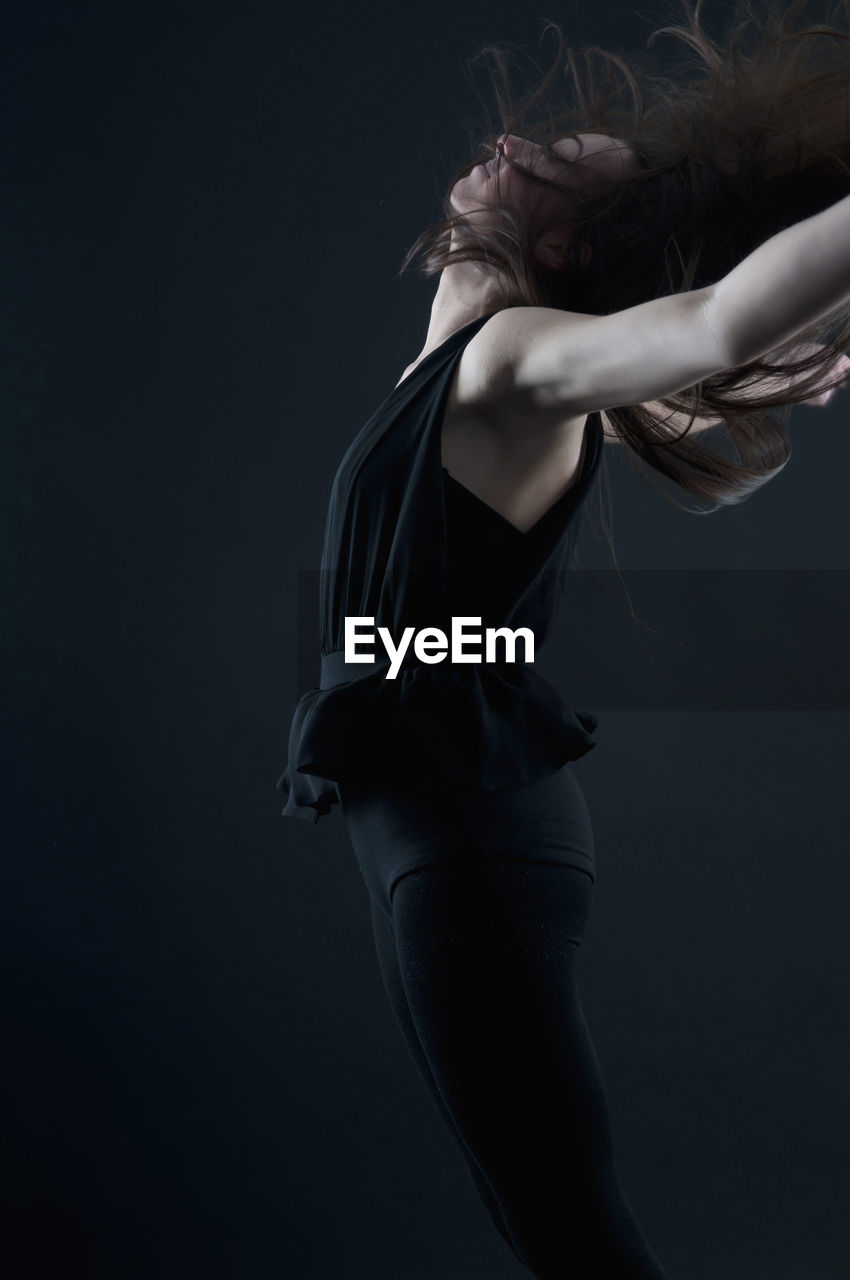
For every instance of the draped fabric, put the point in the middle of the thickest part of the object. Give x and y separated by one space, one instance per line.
408 545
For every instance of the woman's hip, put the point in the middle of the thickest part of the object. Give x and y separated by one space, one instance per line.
396 830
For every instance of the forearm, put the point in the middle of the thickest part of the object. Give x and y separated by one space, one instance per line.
787 284
767 385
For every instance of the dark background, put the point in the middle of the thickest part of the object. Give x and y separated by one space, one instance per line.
204 210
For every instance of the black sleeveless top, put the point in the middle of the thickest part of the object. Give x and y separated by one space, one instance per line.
409 546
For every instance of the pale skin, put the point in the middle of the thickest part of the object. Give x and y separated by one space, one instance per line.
515 447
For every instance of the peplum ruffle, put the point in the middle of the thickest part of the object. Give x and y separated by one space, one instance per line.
435 727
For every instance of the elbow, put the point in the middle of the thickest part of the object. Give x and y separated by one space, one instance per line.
725 355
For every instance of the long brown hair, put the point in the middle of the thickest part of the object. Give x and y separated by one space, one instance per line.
746 142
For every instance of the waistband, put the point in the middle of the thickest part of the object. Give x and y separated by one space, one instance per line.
335 670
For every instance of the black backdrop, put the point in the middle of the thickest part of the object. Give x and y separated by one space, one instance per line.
204 210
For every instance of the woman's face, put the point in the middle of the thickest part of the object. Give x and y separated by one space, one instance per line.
571 163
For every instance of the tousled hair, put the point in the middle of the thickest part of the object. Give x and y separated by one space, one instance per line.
753 137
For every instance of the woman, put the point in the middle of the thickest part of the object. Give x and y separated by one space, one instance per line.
617 280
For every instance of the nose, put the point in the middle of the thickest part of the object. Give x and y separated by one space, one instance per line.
516 148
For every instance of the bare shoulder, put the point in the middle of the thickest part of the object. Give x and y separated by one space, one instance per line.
487 372
499 342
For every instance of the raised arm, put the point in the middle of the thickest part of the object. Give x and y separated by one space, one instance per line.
794 279
577 363
678 421
580 363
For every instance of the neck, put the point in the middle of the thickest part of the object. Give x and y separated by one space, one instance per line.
464 293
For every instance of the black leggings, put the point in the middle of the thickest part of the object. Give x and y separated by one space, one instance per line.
478 958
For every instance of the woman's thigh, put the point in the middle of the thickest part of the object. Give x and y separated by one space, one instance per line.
394 831
487 956
385 946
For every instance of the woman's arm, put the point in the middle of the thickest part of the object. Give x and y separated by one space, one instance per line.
579 363
678 421
790 282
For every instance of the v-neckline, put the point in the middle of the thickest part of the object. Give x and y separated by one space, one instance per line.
590 447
